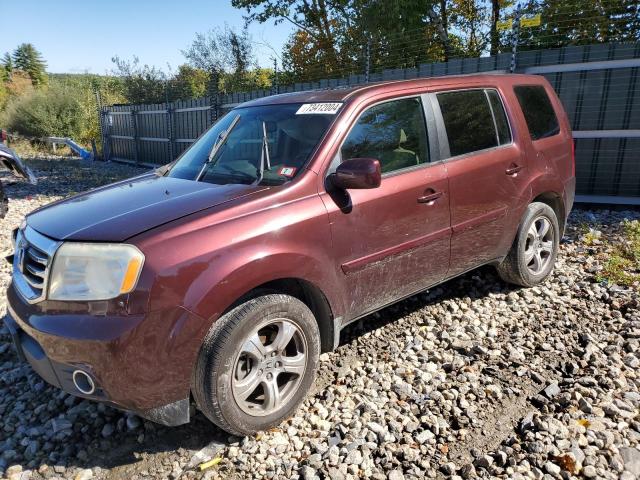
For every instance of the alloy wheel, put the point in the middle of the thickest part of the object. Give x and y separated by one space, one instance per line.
538 250
269 367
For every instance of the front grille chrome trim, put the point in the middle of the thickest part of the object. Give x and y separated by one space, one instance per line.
32 262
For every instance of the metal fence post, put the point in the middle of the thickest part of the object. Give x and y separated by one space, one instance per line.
100 123
134 124
106 139
214 96
275 88
515 40
367 71
170 132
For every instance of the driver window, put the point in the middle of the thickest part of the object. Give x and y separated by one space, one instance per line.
393 132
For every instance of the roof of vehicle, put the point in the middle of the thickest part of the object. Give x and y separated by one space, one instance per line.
344 94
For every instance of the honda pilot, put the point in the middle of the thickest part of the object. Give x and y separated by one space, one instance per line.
223 276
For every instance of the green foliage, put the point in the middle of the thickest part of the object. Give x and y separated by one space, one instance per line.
581 22
328 38
225 54
7 62
84 87
6 67
51 112
27 59
4 95
141 83
189 82
331 37
623 265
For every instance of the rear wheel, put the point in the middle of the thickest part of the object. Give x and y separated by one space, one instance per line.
257 363
533 253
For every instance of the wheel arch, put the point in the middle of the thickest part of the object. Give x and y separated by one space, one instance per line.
554 200
309 294
548 189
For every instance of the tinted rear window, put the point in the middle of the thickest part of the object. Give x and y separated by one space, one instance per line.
468 120
538 111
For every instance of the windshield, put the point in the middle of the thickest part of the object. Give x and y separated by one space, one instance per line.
269 145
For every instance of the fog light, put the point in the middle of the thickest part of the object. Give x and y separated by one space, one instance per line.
83 382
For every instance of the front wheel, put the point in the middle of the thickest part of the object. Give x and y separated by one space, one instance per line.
257 363
535 248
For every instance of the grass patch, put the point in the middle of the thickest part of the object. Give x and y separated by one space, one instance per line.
623 264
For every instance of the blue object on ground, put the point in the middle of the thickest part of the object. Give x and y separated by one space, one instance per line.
84 154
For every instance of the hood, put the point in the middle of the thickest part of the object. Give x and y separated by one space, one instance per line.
121 210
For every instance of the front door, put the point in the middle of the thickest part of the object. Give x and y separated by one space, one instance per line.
393 240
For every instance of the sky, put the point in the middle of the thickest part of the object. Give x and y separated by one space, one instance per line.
83 35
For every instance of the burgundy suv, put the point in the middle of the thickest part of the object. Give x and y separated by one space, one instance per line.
225 274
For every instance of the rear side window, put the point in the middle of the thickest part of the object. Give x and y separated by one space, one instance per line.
473 122
538 111
393 132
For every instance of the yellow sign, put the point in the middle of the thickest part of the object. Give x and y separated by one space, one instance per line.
502 25
528 21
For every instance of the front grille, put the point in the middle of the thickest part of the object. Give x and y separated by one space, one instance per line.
31 263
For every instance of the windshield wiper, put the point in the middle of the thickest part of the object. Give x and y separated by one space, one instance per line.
220 141
265 156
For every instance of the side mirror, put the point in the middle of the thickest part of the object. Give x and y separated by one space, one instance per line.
357 173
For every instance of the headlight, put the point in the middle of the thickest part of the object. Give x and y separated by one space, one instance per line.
94 271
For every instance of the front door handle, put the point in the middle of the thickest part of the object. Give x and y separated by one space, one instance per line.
429 197
513 169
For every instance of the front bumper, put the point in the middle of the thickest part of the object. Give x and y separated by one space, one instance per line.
140 363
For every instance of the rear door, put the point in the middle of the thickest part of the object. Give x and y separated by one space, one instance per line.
393 240
487 173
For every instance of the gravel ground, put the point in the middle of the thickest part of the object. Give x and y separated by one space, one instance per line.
471 379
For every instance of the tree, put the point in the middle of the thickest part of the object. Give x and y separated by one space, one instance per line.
420 35
322 23
495 17
223 52
332 35
189 82
6 67
580 22
30 61
141 83
470 21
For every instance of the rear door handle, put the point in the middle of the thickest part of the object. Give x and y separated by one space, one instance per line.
513 169
430 197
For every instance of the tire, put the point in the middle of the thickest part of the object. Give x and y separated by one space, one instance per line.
519 266
4 203
228 364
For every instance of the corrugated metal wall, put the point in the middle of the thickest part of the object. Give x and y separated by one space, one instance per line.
599 86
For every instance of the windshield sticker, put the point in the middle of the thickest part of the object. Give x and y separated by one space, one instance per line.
287 171
321 108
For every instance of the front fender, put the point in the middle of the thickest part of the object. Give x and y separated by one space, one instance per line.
238 277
